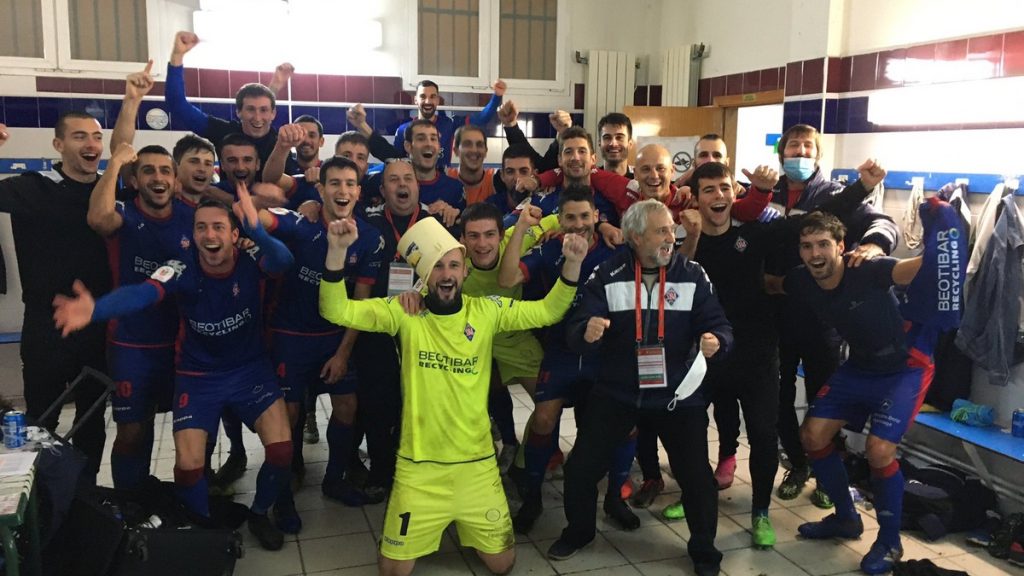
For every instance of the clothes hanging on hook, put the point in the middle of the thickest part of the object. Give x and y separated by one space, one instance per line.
992 315
982 231
911 222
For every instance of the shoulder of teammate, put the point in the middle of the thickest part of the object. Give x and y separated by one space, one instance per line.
284 222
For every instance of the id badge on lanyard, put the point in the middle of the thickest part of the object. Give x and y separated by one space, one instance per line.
400 278
650 359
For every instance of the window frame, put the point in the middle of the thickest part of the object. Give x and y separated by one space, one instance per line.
56 25
489 55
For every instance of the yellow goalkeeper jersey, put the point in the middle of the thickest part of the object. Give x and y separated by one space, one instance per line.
446 363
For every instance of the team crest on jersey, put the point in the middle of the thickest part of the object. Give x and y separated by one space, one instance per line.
185 243
469 331
496 299
741 244
172 269
235 290
671 296
353 259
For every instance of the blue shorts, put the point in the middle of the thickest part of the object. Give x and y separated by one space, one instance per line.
298 361
145 381
890 400
199 399
565 377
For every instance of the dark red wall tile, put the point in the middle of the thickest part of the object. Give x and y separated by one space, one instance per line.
890 68
794 78
359 88
191 82
782 76
654 95
406 97
463 99
85 85
157 90
114 87
703 92
734 84
1013 54
214 84
813 76
52 84
386 89
832 72
770 79
304 87
951 50
578 93
919 58
239 78
862 73
845 72
752 82
640 96
717 87
483 99
331 89
987 49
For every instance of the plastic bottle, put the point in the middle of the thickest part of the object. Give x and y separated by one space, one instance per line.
154 521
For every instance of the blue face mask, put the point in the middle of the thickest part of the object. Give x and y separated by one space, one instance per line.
798 169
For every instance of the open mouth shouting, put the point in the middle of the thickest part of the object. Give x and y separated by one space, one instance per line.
719 207
446 289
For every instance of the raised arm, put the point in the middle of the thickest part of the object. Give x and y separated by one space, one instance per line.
136 86
486 114
536 314
276 256
103 216
509 272
762 181
380 148
174 91
289 136
282 74
371 315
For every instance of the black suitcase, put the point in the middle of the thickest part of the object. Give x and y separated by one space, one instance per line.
176 551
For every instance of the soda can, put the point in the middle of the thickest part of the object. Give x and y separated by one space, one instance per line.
1017 427
14 429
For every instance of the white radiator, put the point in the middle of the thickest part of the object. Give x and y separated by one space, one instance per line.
675 77
611 80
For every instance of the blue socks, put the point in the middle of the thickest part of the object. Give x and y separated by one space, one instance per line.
273 476
831 474
538 449
888 486
129 464
499 405
339 449
191 488
619 472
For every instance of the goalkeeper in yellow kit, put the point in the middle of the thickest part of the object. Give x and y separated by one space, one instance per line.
446 469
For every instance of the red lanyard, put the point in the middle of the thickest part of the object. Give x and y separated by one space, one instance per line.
398 237
661 305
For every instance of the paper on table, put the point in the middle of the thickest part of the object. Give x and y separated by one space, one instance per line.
16 463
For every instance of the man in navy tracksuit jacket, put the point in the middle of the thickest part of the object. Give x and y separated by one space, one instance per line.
618 319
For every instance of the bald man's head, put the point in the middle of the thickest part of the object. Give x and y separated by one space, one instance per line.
654 171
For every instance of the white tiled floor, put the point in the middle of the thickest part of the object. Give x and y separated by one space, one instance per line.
342 541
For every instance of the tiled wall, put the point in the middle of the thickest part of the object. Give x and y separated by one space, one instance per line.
845 79
102 98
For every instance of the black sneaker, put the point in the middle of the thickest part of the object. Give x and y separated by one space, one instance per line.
374 494
793 483
263 529
286 518
232 469
1003 537
620 513
563 550
527 516
344 492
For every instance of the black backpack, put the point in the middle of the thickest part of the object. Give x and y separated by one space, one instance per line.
939 499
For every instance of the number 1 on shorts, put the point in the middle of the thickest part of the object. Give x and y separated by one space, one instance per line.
405 523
